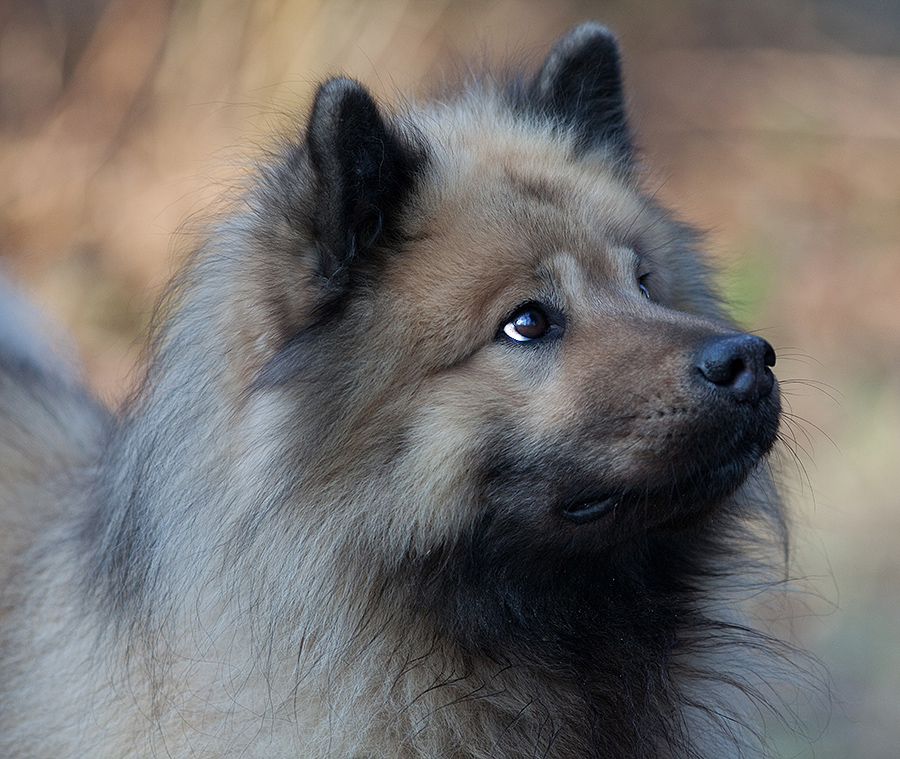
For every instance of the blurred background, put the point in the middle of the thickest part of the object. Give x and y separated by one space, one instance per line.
772 124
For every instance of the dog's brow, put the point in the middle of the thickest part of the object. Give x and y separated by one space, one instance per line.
534 187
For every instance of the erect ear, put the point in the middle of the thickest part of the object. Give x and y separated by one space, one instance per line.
363 172
581 84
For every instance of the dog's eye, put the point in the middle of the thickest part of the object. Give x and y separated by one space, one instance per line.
529 323
642 285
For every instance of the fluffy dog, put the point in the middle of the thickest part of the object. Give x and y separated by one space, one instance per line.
444 448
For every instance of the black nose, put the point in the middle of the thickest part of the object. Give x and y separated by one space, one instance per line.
739 364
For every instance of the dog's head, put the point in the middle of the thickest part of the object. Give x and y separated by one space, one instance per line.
494 322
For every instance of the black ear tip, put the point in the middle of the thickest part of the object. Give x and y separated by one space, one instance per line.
334 98
588 43
589 34
589 53
338 88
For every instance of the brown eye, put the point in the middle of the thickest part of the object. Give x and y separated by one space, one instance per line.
527 324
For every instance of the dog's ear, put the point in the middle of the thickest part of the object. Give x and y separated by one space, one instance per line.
580 83
362 169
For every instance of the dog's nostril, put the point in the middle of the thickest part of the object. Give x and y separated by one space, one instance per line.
738 363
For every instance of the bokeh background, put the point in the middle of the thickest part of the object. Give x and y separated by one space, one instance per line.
773 124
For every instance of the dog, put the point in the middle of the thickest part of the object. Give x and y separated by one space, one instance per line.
445 447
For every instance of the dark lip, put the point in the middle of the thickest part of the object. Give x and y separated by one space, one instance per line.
584 510
657 507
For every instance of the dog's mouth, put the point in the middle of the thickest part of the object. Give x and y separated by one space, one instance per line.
657 506
582 510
